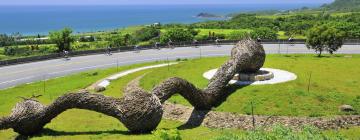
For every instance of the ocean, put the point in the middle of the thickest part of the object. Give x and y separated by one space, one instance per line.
32 20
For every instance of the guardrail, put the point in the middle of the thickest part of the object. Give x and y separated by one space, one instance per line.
124 49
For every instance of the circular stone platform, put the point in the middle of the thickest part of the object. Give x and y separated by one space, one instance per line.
260 75
280 76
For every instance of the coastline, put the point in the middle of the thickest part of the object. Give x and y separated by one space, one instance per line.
85 19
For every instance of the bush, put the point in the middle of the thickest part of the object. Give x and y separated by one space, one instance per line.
147 33
47 49
202 37
172 134
81 46
238 35
6 40
193 31
11 51
87 39
176 35
264 33
220 36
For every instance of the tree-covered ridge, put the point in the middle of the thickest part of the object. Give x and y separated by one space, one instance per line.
343 5
294 24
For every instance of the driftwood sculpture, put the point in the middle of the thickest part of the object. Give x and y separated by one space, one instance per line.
138 110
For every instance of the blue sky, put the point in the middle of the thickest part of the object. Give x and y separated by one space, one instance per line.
145 2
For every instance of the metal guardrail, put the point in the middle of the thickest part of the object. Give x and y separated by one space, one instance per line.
124 49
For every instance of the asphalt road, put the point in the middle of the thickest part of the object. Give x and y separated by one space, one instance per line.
30 72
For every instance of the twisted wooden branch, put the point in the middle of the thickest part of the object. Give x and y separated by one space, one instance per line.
138 111
246 56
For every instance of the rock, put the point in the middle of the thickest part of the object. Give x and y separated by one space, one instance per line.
255 53
99 88
346 108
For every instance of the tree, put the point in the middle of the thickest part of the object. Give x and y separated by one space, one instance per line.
116 41
147 33
62 39
126 39
6 40
324 38
176 35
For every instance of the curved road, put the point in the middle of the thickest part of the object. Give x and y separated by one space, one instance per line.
30 72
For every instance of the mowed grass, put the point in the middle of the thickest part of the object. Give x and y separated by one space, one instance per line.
82 124
334 81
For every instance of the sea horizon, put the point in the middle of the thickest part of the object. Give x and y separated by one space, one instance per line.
41 19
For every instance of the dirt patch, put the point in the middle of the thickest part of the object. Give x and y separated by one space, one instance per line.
215 119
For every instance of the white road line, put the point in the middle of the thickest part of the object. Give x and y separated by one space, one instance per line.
97 66
6 82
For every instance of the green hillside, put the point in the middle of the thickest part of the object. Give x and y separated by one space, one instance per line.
343 5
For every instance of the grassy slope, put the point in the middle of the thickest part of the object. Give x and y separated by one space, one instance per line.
335 82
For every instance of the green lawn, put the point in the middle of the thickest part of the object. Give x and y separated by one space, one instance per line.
82 124
334 82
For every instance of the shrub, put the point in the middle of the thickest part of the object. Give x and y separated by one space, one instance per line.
87 39
176 35
238 35
202 37
264 33
147 33
10 50
220 36
172 134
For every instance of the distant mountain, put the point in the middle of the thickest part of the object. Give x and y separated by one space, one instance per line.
208 15
343 5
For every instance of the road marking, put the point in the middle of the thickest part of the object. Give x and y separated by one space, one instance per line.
98 66
6 82
117 58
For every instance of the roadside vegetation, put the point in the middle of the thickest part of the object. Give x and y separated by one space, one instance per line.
342 16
